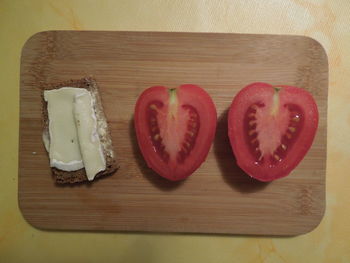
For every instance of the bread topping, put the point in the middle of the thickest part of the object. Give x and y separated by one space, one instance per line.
73 141
64 151
89 140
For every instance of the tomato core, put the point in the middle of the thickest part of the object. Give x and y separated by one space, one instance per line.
187 139
280 128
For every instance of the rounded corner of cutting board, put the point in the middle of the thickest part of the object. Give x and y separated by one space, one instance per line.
32 222
31 41
317 221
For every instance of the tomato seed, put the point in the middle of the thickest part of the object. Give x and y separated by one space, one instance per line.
190 133
251 123
291 129
153 107
254 107
252 132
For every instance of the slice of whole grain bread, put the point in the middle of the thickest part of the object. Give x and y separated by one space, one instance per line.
63 177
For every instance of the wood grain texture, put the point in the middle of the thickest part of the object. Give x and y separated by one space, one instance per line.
218 197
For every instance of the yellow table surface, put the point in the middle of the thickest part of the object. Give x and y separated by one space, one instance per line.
328 21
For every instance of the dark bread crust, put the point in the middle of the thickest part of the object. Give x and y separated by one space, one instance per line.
64 177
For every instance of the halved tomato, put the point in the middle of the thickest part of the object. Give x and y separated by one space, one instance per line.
175 129
271 128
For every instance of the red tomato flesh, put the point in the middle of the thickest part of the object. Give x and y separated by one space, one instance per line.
175 129
271 128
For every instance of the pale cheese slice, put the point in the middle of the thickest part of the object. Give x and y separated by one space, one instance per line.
89 140
64 151
73 141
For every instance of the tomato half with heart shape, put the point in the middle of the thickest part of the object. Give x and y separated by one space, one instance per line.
175 129
271 128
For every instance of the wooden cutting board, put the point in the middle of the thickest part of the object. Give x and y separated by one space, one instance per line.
218 197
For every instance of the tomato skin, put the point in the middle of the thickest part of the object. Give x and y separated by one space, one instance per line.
189 99
267 169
